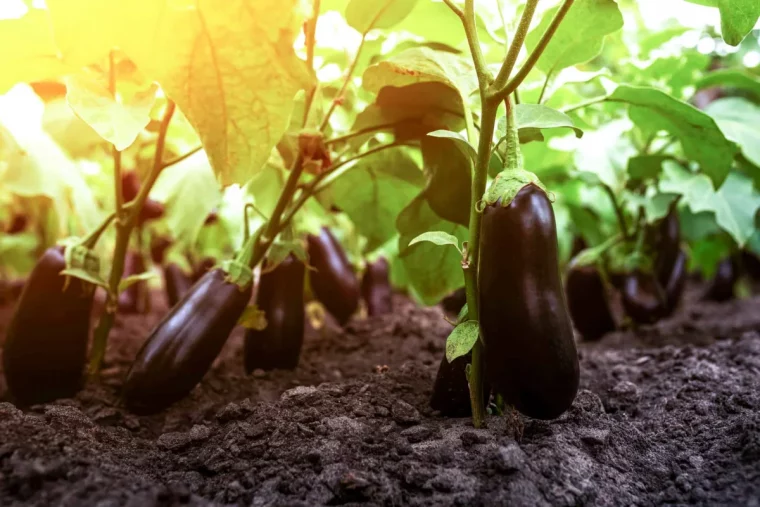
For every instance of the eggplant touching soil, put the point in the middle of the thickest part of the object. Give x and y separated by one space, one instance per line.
666 414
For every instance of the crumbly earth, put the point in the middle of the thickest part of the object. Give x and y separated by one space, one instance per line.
668 414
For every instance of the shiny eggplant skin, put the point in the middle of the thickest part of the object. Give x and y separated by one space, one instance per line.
454 302
46 342
641 297
530 353
133 299
177 283
451 392
721 287
376 288
667 246
182 347
675 285
587 302
280 296
333 281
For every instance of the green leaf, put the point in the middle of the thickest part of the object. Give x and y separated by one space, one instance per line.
736 203
432 272
533 118
119 123
739 120
731 78
448 171
462 339
190 191
365 16
86 276
127 282
702 140
230 67
437 238
604 153
463 144
375 191
463 314
737 19
422 65
645 167
697 189
579 38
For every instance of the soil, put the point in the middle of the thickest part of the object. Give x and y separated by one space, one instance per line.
667 414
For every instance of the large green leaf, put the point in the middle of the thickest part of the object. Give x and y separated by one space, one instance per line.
432 271
375 191
696 188
190 191
739 120
580 36
702 140
448 170
737 17
604 153
364 16
736 203
422 65
533 118
731 78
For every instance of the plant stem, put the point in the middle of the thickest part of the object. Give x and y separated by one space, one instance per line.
182 157
618 211
513 160
116 154
516 96
544 88
456 10
536 54
357 133
311 34
515 47
349 75
481 69
91 240
124 226
584 104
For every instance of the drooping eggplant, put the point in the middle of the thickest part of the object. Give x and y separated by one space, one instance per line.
587 302
177 283
376 288
644 299
451 392
280 296
333 280
46 343
182 347
530 353
721 287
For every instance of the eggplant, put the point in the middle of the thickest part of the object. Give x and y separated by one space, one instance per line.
376 288
46 342
579 244
130 187
675 285
451 392
202 268
667 246
133 298
644 300
158 247
280 296
182 347
587 302
750 264
454 302
333 281
525 325
18 224
177 283
721 287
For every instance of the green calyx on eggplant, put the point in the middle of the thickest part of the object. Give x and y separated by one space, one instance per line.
46 341
451 391
182 347
333 280
376 288
587 302
280 297
530 353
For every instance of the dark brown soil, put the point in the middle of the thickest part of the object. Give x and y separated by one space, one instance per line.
668 414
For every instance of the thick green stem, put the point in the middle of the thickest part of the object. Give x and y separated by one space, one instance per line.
515 47
481 68
124 226
470 264
513 161
504 90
